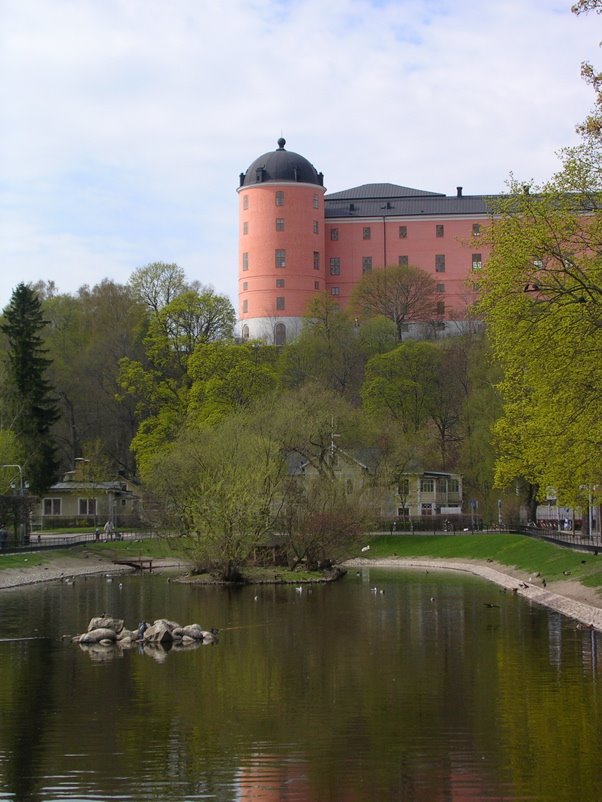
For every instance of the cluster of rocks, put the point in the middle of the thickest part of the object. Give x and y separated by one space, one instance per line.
107 631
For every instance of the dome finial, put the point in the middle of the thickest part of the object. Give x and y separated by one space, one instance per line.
281 143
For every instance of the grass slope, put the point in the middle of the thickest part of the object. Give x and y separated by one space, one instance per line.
515 551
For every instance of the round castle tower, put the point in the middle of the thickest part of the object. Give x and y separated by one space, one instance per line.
281 244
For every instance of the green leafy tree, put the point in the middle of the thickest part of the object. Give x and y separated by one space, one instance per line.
328 350
227 377
34 404
542 296
157 284
402 293
159 383
219 486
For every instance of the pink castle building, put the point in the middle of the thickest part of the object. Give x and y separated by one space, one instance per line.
296 242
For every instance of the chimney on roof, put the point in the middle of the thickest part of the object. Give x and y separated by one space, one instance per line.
458 192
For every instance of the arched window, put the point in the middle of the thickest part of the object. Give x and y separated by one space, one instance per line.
245 332
279 334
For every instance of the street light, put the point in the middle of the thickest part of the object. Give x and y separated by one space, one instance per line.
590 503
20 475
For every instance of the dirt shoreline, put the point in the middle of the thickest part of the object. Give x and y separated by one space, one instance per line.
570 598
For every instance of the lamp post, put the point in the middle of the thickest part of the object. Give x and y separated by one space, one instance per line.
14 465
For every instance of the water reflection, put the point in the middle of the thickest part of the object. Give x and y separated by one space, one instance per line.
438 688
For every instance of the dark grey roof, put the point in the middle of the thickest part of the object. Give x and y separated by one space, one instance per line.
389 200
281 165
380 192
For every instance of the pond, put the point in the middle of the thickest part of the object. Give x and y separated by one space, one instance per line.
387 685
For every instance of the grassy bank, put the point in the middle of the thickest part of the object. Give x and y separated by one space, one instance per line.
515 551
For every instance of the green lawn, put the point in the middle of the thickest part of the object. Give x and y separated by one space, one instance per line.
517 551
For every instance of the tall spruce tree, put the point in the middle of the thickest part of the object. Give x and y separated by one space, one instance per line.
35 408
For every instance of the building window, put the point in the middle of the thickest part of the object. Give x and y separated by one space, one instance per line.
477 263
280 224
404 487
440 263
280 303
280 282
316 260
367 232
440 287
476 229
245 332
335 290
439 230
245 201
440 307
279 334
316 285
403 232
86 506
280 257
366 264
454 485
335 266
245 261
316 227
427 485
403 261
279 198
245 307
316 201
334 234
245 285
245 227
52 506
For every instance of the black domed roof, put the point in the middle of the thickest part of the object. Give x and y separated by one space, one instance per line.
281 165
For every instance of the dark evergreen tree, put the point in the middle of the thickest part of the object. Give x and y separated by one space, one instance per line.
35 407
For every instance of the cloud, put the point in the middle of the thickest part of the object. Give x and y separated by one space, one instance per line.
124 124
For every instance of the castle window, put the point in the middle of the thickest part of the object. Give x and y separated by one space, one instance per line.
280 303
316 201
366 264
316 227
280 282
316 285
439 230
440 263
440 287
403 232
477 263
335 290
440 307
335 266
403 261
245 201
279 334
245 307
245 285
245 332
316 260
245 227
279 198
334 234
280 258
245 261
367 232
280 224
476 229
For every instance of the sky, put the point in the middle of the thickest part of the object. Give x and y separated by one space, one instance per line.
124 124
